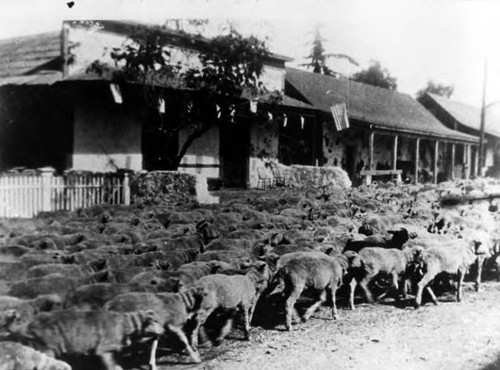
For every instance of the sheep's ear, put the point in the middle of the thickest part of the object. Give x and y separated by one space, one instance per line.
261 266
11 316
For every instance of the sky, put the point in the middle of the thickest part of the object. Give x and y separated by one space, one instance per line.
447 41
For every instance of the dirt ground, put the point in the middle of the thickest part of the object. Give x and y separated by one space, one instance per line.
451 335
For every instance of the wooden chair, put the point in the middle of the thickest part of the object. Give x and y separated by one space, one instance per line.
279 178
264 181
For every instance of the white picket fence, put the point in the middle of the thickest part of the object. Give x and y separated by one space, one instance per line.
25 195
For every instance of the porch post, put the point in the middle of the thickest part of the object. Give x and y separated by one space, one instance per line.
395 153
453 161
436 157
46 173
466 161
417 154
476 162
370 157
370 149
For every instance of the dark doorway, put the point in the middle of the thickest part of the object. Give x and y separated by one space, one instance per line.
159 145
350 162
234 153
297 142
36 127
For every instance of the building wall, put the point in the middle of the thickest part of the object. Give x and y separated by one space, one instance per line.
202 157
106 136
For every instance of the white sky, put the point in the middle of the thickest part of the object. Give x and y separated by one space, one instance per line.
416 40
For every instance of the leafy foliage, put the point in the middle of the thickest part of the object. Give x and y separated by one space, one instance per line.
208 87
436 88
376 75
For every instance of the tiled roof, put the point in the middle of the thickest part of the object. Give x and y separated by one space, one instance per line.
468 115
383 108
30 54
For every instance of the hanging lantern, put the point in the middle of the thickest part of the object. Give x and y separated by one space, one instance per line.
302 121
161 105
285 119
253 106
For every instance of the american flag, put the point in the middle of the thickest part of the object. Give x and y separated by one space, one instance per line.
339 113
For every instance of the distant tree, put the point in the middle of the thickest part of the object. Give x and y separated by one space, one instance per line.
436 88
318 57
207 93
376 75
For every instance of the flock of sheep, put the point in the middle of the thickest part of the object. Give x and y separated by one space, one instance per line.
113 283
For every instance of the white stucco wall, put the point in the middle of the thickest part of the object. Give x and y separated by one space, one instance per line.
203 151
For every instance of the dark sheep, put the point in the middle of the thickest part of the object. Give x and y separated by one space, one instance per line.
72 332
173 310
314 271
232 293
374 261
95 296
432 261
398 239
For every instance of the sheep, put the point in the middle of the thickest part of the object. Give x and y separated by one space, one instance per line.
173 310
432 261
372 261
12 271
71 332
15 356
57 284
398 239
183 277
28 308
228 256
230 293
316 271
75 271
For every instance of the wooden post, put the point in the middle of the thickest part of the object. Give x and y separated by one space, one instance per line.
395 153
417 159
370 158
436 157
476 162
126 190
466 161
453 161
46 173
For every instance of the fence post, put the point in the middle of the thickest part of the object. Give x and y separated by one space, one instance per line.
126 190
47 174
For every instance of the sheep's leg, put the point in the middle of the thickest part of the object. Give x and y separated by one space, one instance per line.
333 290
426 279
109 361
433 296
364 285
289 306
352 289
152 356
315 306
225 331
180 334
460 281
480 263
246 321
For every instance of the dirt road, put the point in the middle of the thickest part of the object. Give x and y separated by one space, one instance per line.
452 335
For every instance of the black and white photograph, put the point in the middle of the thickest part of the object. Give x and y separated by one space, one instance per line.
249 184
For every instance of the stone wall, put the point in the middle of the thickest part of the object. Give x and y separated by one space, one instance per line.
169 187
299 176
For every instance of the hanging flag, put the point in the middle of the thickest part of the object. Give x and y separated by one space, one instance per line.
161 105
253 106
339 113
117 94
302 121
285 119
270 116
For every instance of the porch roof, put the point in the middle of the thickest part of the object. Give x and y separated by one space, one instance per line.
380 108
468 115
